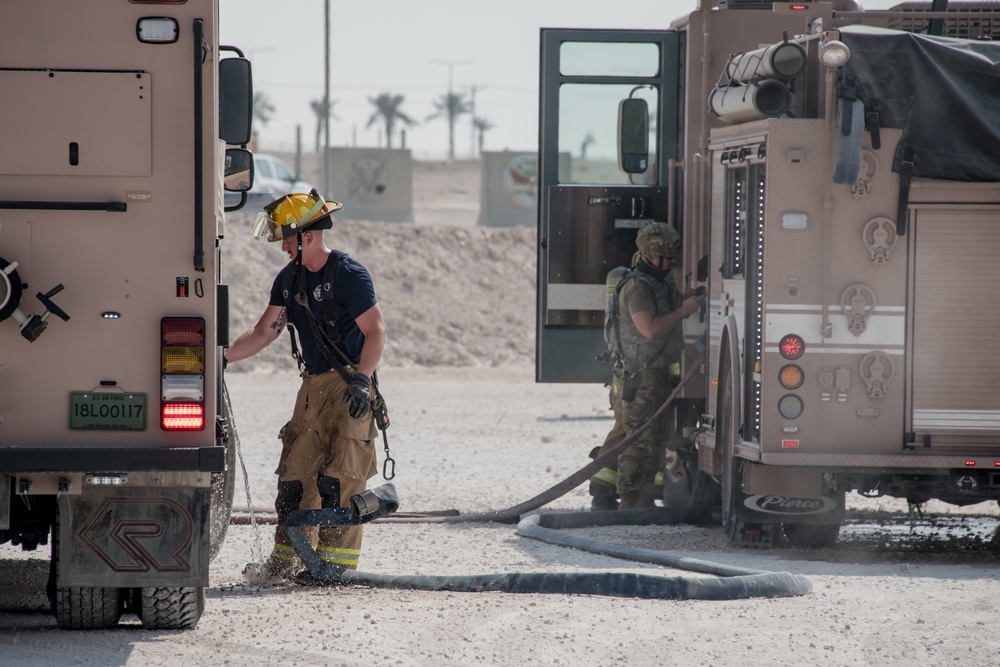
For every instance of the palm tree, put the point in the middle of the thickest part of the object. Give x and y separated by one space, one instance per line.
587 141
481 125
450 106
387 108
317 109
263 110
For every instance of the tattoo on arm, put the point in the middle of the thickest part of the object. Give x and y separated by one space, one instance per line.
279 324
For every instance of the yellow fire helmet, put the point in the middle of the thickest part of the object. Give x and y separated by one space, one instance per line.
292 214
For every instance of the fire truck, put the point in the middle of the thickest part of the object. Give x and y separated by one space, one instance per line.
124 120
835 176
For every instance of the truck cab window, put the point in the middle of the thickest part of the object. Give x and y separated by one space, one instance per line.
588 122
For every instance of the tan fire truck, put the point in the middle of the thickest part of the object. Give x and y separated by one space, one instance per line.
835 176
115 443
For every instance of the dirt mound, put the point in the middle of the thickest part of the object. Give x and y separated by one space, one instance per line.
452 296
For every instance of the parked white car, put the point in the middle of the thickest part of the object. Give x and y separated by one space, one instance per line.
272 179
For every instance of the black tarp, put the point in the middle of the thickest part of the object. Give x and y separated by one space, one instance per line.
944 93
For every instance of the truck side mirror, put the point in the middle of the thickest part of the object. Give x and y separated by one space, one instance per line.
235 101
633 135
239 170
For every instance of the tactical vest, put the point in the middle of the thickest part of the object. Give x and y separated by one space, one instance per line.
638 352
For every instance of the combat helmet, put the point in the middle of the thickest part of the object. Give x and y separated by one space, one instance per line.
658 239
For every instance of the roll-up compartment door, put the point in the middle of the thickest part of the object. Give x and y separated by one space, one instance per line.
954 361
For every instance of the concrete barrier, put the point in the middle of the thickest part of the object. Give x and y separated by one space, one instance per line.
372 183
509 192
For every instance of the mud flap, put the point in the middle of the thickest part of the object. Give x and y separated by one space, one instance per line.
134 537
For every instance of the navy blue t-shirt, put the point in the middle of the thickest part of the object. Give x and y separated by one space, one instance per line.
352 293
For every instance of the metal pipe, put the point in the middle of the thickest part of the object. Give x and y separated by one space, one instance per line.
785 60
199 154
829 127
768 98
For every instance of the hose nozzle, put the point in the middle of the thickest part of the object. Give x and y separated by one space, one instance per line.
365 503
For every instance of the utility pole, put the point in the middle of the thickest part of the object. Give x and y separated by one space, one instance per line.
472 122
451 117
451 67
326 98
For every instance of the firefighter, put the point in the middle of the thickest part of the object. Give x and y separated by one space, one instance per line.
328 449
646 338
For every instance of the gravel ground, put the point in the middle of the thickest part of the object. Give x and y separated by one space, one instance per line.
473 439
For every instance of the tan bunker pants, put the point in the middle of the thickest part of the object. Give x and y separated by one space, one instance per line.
326 458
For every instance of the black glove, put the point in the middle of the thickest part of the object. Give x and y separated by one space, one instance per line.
359 394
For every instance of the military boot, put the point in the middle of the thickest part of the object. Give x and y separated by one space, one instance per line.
636 501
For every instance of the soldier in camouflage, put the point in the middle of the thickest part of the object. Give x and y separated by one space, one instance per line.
646 339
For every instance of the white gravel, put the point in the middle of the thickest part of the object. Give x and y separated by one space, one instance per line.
476 440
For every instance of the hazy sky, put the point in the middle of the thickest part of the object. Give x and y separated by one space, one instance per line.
411 49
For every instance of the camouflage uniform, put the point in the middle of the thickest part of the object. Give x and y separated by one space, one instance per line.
654 366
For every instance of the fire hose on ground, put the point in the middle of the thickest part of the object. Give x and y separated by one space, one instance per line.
380 503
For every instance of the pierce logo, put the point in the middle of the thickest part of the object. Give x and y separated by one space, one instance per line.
789 505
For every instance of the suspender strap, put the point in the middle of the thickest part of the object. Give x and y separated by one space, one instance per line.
330 350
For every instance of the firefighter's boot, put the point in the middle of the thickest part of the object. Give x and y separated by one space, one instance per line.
603 497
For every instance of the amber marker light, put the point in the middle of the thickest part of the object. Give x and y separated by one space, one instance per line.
790 377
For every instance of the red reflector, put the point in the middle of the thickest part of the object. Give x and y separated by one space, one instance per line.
182 331
789 444
182 417
970 462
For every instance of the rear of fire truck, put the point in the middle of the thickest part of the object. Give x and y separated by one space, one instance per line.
854 218
834 176
115 443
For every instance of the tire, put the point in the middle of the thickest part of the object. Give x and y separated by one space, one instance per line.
685 486
811 535
724 441
223 483
80 608
814 535
87 608
170 608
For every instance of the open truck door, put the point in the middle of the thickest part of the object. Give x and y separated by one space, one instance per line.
596 189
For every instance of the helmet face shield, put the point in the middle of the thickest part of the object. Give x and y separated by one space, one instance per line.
293 214
264 228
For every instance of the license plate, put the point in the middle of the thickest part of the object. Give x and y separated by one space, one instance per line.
108 411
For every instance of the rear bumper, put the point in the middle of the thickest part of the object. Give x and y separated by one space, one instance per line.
111 459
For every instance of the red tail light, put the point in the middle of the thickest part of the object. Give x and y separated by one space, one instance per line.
183 417
182 373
